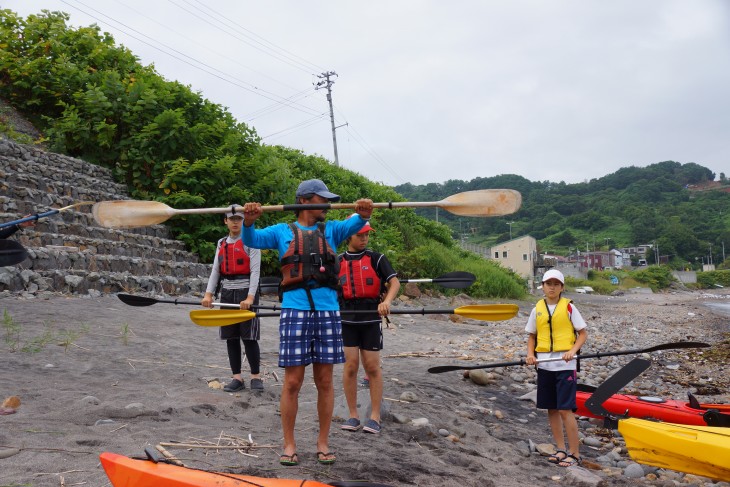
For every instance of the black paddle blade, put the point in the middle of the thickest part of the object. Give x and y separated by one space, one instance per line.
11 252
455 280
677 345
615 383
133 300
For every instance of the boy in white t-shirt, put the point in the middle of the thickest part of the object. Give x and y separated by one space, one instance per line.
557 331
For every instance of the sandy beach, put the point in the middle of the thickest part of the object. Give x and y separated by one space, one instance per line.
93 375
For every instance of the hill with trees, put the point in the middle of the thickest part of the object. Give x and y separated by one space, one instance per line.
668 204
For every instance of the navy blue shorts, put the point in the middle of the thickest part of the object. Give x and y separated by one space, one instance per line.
307 337
556 389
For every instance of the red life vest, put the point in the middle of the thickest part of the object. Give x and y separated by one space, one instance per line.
233 260
359 278
309 258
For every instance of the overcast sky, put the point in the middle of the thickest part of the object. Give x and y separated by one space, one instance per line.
432 90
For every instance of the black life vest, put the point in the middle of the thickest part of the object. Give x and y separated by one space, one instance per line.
309 262
233 261
359 278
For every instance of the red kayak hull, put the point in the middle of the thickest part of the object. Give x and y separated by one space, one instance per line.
667 410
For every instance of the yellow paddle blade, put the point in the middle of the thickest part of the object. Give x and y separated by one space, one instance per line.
220 317
488 312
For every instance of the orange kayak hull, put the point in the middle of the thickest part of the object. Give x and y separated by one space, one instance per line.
128 472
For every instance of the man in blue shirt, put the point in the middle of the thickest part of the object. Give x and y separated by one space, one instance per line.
310 328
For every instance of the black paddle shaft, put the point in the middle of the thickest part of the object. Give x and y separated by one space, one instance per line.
666 346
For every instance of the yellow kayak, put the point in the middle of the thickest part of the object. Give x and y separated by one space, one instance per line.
699 450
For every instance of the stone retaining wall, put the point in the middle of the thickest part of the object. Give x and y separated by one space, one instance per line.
69 252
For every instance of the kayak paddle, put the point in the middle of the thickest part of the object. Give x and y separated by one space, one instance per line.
38 216
135 300
615 383
482 312
11 252
136 213
666 346
450 280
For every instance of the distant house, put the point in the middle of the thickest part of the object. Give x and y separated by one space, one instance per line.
518 254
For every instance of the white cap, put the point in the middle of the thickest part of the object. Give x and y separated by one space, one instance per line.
553 274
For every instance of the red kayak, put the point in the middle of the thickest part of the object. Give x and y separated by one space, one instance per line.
667 410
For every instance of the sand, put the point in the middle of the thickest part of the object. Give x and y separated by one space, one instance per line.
95 375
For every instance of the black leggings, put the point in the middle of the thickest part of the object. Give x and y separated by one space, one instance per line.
253 354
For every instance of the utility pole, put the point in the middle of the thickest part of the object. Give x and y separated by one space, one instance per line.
510 229
327 83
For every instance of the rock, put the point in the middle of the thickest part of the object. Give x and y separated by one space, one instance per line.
12 402
419 422
530 396
481 377
590 441
411 290
581 477
545 449
90 401
409 397
633 471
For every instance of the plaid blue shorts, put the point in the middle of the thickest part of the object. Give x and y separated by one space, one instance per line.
307 337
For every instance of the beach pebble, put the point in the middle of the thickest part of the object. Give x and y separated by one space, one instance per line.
530 396
590 441
49 366
481 377
545 449
399 418
419 422
8 452
12 402
409 397
104 421
444 432
90 400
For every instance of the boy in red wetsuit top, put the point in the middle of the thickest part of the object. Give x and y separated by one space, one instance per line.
366 277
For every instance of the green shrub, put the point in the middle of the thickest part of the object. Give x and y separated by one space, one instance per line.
656 277
707 280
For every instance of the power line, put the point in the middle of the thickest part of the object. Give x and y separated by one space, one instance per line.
264 42
235 81
297 127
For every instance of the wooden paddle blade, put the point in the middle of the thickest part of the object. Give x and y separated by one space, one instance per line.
130 213
483 202
220 317
488 312
11 252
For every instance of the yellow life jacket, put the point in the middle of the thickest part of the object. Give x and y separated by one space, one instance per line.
555 332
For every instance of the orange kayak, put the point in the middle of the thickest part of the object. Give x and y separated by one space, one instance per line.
128 472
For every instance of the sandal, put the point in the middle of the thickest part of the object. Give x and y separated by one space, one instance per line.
558 456
289 460
570 461
326 458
